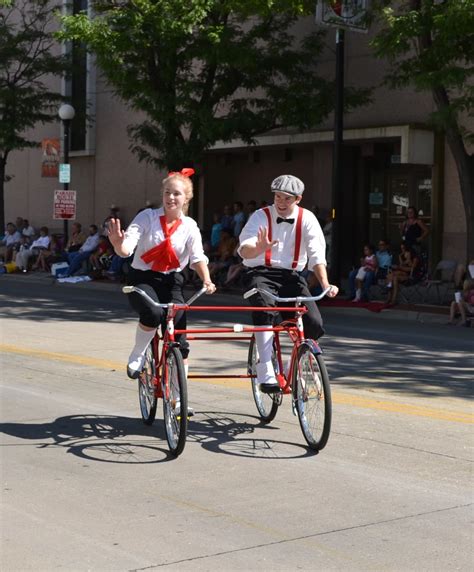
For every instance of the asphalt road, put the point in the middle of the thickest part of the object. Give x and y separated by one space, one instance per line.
86 486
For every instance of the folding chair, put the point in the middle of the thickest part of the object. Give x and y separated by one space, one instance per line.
442 279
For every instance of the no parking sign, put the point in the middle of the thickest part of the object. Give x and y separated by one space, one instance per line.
64 205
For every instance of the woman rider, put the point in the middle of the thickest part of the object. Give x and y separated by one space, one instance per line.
164 241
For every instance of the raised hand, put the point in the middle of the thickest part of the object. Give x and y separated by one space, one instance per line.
263 242
116 234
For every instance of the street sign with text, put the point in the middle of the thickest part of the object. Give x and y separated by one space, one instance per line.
64 205
64 173
349 14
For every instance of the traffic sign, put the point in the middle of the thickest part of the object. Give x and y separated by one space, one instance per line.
348 14
64 205
65 173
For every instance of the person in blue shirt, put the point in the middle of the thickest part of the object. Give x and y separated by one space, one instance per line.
384 263
216 231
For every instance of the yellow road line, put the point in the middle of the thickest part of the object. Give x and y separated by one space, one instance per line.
338 397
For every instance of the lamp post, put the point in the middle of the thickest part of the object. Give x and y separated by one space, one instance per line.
66 113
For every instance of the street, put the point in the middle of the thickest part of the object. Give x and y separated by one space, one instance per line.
87 486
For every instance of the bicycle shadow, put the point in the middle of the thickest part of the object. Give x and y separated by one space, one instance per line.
126 440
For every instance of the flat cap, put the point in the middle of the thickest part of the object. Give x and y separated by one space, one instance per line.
288 184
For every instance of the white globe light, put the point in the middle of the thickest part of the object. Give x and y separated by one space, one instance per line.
66 112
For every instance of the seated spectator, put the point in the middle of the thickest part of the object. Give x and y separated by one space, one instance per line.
227 220
48 255
225 253
101 257
27 231
76 238
76 259
234 271
360 279
238 221
408 271
384 259
11 240
41 243
216 231
463 304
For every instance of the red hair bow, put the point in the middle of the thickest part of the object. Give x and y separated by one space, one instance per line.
186 172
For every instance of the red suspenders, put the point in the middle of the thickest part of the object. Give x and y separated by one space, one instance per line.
299 226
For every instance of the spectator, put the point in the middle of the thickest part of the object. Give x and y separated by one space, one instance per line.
463 304
11 240
413 229
235 269
100 259
216 231
227 220
361 279
41 243
49 255
251 208
76 259
26 230
408 271
384 263
76 239
239 219
327 232
225 253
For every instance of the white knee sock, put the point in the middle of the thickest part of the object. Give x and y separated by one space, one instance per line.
264 342
142 339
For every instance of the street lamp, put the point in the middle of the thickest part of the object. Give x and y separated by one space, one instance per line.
66 113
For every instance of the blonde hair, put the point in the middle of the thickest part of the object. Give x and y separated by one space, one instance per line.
187 184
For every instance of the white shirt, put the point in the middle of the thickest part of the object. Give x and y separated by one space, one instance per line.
91 243
145 232
312 248
41 242
28 231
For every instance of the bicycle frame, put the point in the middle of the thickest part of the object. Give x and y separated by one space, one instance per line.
293 327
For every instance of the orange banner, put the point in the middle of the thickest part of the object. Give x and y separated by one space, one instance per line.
51 155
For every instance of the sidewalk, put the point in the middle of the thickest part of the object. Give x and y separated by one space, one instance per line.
424 313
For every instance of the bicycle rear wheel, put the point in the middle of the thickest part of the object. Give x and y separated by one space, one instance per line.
267 404
312 396
175 401
146 387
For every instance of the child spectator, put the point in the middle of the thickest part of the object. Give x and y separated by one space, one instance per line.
367 269
100 258
463 303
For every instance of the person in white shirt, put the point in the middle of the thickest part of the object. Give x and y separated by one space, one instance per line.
163 241
25 253
91 243
276 244
10 241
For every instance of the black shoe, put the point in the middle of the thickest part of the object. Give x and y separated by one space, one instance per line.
269 388
132 374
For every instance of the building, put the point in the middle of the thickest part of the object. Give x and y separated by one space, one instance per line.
391 159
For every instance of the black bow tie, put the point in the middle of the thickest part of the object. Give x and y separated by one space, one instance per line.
288 220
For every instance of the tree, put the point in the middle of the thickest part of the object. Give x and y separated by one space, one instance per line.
26 60
206 70
430 44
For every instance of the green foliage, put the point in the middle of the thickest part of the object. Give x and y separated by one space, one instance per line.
206 70
27 58
430 45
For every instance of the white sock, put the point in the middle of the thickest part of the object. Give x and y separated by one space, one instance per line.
264 341
142 339
186 370
358 294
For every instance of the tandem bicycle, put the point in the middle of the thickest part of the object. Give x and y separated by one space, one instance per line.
303 377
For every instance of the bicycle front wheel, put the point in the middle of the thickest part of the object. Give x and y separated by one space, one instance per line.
146 388
312 396
267 404
175 401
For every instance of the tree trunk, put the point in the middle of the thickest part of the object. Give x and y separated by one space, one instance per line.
465 168
3 162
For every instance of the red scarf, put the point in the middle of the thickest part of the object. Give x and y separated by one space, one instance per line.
163 257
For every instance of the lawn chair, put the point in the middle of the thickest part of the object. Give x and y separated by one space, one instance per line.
442 280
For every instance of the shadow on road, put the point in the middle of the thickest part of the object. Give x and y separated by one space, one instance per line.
116 439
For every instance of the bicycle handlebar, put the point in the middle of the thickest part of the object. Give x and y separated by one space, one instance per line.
297 299
130 289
